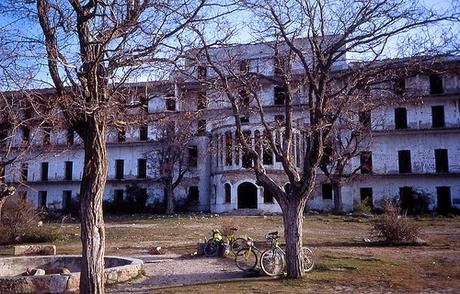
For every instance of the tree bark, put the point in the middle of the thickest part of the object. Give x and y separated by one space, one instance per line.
293 223
92 221
337 190
169 209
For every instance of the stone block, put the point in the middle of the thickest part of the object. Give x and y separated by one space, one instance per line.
34 250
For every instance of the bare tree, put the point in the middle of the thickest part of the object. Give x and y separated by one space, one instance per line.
309 42
92 48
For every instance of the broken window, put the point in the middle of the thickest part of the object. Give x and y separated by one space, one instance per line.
436 84
68 170
406 198
247 160
143 133
170 103
24 171
437 115
400 118
365 119
228 148
366 193
366 162
44 171
119 169
327 191
121 135
25 135
280 95
228 193
141 168
267 150
201 101
441 159
66 200
399 86
244 98
444 201
404 161
192 155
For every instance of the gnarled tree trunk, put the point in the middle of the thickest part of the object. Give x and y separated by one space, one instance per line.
337 192
92 221
169 201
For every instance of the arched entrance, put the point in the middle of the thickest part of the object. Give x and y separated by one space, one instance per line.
247 195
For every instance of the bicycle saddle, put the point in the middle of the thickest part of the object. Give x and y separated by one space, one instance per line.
273 233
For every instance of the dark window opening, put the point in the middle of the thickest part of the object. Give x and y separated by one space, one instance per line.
202 72
328 153
244 119
244 66
192 156
366 162
404 161
68 169
278 157
280 95
142 168
44 171
436 84
327 191
279 119
66 200
118 195
144 104
42 199
201 127
366 195
228 193
237 149
247 196
437 115
228 148
143 133
245 98
444 200
170 104
399 86
267 150
406 198
70 137
268 196
24 172
119 169
121 135
25 135
46 135
400 118
193 193
441 160
201 101
247 160
365 119
3 135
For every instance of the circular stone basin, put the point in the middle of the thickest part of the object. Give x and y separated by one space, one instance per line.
117 270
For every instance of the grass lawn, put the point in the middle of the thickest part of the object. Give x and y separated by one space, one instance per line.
344 262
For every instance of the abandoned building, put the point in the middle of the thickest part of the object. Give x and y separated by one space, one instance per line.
415 147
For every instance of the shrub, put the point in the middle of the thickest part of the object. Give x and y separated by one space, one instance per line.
393 227
364 206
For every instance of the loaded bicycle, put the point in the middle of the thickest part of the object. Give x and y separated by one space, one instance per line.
212 245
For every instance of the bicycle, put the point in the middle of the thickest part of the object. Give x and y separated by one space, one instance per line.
212 245
246 258
273 260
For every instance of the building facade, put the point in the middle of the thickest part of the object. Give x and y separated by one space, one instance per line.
415 147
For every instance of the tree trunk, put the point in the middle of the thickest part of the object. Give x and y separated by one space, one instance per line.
169 199
337 190
293 222
92 221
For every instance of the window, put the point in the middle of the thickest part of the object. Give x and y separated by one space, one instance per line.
365 119
70 137
268 196
193 193
46 135
244 119
327 191
44 171
118 195
201 101
3 135
66 199
42 199
141 168
202 72
444 201
119 168
441 159
279 119
366 162
68 170
280 94
201 127
437 116
24 171
436 84
228 193
144 104
244 98
400 118
278 158
143 133
366 193
237 149
244 66
399 86
328 152
25 135
267 151
404 161
192 155
121 135
228 148
170 104
247 160
406 198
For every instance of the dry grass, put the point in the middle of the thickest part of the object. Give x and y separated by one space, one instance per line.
345 262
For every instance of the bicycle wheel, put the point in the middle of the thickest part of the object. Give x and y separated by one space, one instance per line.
246 259
238 244
211 248
273 262
308 259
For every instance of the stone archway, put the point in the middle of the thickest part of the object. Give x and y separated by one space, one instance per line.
247 196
